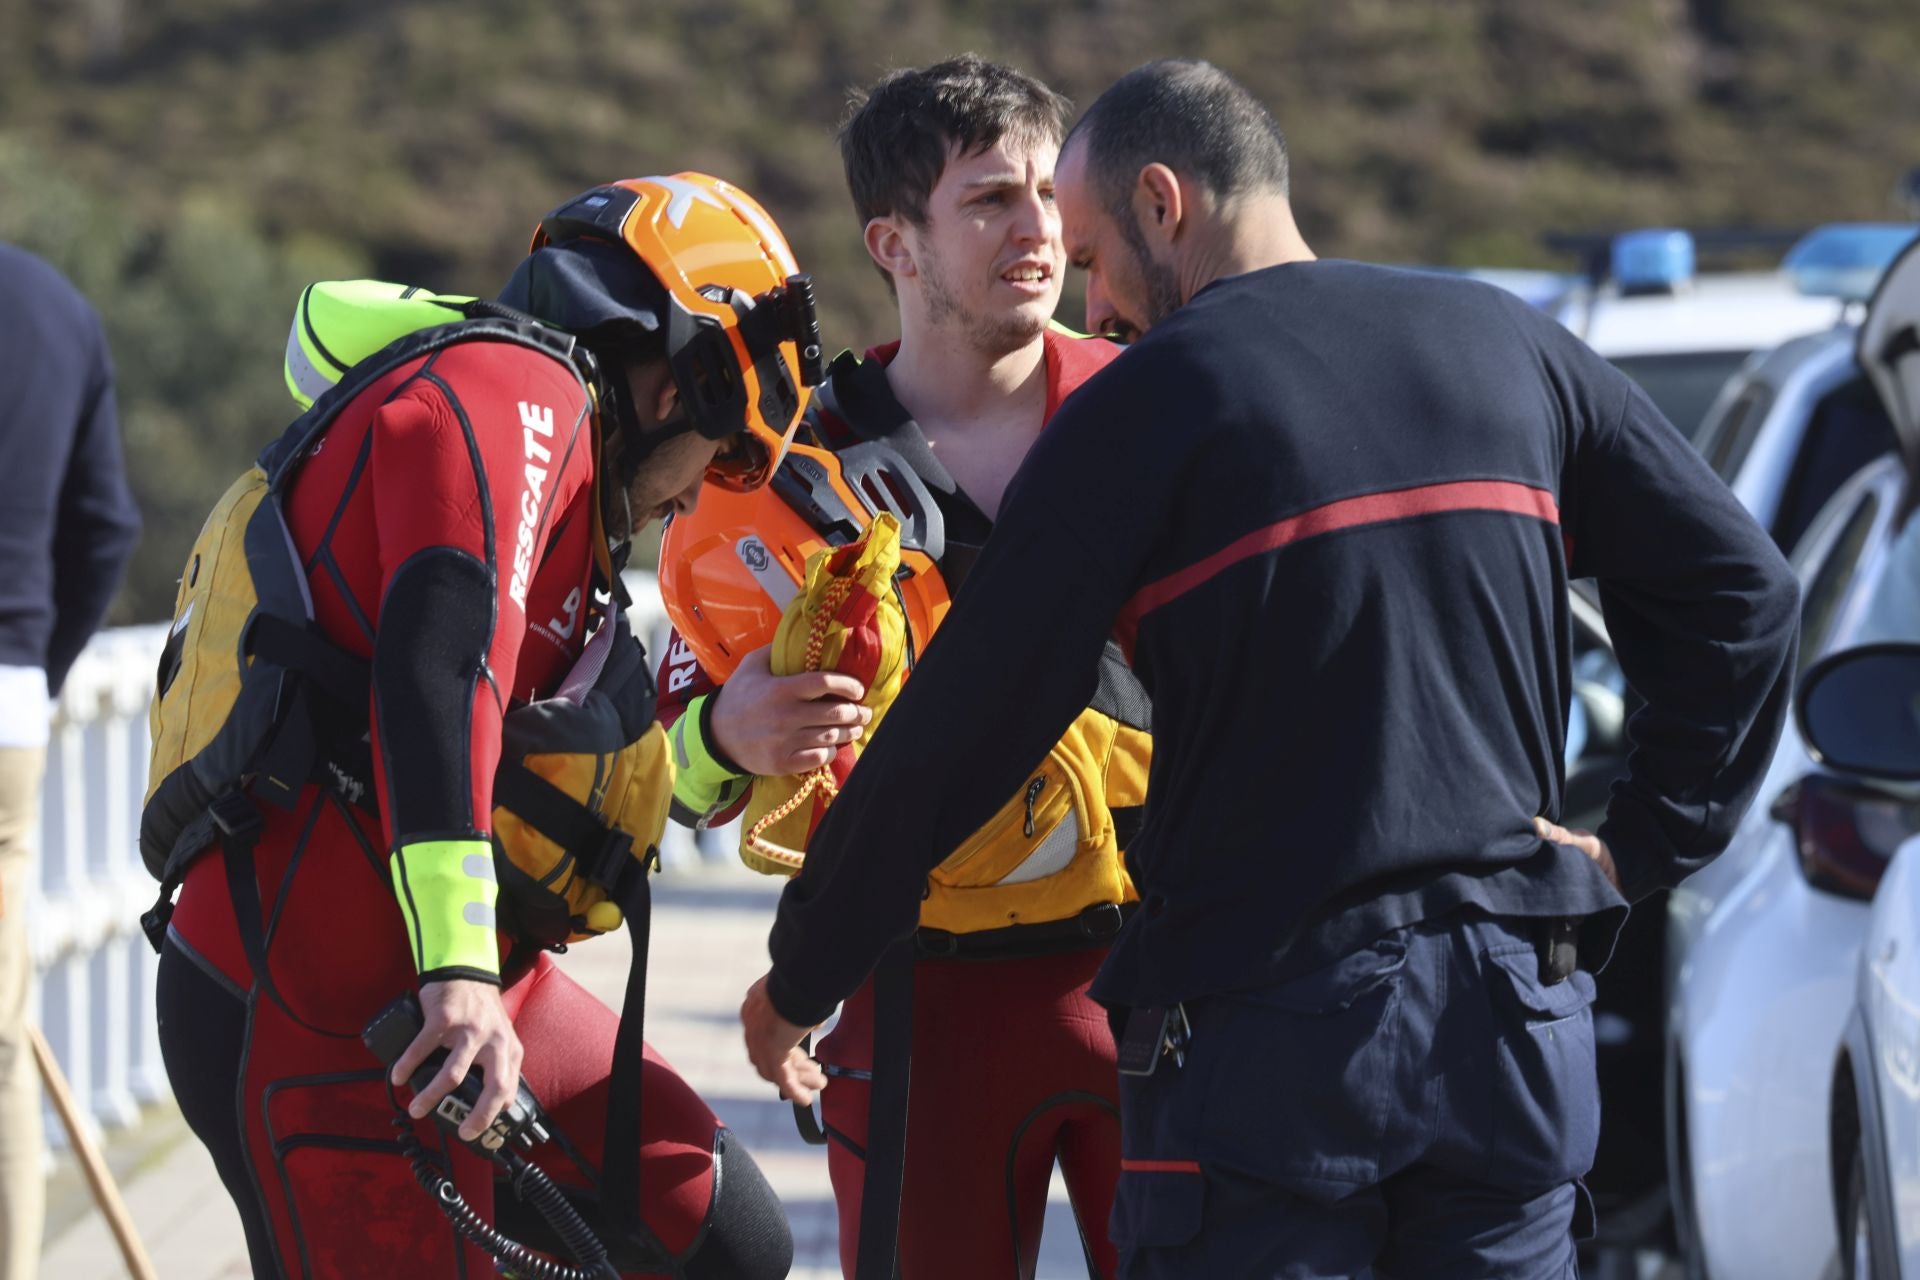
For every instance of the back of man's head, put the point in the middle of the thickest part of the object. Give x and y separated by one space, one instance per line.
900 132
1188 115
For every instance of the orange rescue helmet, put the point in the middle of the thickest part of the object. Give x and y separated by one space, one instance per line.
742 337
729 567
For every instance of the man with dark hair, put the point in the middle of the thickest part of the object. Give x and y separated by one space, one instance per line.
895 143
951 172
1339 506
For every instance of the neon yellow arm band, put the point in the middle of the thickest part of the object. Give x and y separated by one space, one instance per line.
447 890
704 780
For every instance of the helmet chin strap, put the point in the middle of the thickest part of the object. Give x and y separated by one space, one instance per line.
636 446
636 443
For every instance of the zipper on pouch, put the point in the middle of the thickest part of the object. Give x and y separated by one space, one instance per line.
1034 789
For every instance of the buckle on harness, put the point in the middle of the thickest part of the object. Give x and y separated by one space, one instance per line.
237 817
1101 922
614 867
154 920
937 944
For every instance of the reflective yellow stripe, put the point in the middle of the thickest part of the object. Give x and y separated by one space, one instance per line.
700 782
447 894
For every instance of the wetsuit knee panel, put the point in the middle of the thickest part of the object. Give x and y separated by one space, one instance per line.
747 1236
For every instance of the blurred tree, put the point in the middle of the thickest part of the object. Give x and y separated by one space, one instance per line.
198 160
196 310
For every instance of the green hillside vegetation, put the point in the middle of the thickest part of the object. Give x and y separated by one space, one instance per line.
192 164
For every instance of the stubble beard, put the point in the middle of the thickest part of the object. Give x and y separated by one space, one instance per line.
1157 280
990 334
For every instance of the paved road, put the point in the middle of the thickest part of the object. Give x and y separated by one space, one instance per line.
709 942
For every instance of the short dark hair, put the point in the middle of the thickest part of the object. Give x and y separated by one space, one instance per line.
1188 115
899 133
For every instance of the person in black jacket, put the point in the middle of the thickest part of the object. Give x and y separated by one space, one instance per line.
1333 510
67 526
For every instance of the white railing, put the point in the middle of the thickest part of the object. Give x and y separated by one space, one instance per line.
95 969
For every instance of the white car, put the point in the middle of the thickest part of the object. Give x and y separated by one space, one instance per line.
1824 430
1860 711
1682 334
1763 943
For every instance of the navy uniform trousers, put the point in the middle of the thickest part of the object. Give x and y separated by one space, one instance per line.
1421 1108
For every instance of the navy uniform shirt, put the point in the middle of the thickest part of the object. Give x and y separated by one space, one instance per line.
1332 510
67 519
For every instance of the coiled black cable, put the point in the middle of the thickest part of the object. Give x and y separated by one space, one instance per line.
533 1186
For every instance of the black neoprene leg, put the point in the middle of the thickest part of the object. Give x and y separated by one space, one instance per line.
747 1236
203 1029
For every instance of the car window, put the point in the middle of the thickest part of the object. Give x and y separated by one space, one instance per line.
1849 429
1682 386
1733 435
1820 605
1894 611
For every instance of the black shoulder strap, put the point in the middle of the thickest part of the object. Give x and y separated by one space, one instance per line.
281 459
878 1252
1120 693
620 1163
605 857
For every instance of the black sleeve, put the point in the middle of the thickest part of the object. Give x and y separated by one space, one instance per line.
97 523
1704 615
1015 661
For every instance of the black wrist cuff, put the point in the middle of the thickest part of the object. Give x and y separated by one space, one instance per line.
711 743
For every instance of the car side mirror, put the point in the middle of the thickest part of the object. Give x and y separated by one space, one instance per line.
1859 711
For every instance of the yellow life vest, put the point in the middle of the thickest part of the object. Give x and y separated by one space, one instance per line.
1049 854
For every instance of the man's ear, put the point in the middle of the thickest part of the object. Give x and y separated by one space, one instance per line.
886 242
1159 202
666 398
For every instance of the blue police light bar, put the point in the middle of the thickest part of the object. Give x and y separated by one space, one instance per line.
1657 260
1845 260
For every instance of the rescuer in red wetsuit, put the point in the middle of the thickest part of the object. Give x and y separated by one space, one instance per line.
454 521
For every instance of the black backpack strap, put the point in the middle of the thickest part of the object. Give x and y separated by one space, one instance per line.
339 674
282 458
239 823
193 838
620 1166
562 819
879 1248
604 856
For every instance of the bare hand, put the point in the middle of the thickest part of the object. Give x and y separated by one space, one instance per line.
467 1018
773 1046
1586 842
772 725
